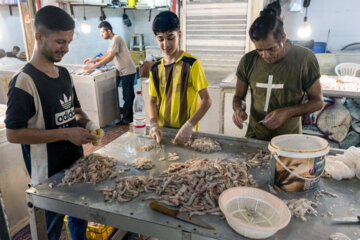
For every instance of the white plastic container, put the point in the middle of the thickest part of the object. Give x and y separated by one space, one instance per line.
263 213
298 161
139 121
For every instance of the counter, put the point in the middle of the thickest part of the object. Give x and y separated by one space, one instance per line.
87 202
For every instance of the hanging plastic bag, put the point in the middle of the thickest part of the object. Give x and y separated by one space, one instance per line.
295 6
126 20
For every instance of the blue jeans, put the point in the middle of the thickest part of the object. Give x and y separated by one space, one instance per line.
54 223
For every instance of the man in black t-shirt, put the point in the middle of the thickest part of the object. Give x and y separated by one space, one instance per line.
14 52
44 113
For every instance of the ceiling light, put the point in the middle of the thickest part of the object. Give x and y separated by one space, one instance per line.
85 26
304 30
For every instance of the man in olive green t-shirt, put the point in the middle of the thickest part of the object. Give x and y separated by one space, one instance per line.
279 74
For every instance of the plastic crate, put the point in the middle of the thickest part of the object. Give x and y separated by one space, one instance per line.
319 47
94 231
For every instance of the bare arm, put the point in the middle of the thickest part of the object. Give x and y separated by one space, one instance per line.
315 102
81 118
87 60
98 59
76 135
36 136
202 108
184 134
239 104
155 131
240 94
153 112
108 57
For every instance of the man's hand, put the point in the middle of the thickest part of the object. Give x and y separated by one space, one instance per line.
155 132
184 134
276 118
79 136
89 60
239 117
90 67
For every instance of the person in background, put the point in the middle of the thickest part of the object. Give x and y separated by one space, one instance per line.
2 53
44 114
279 75
14 52
176 81
118 52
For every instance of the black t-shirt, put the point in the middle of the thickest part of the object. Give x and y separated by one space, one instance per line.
38 101
10 54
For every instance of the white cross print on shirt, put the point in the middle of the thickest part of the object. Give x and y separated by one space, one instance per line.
268 87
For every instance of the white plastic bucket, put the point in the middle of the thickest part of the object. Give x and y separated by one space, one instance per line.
297 161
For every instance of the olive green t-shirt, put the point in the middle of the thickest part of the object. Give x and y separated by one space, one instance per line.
290 77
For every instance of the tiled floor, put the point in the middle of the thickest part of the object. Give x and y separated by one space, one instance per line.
111 133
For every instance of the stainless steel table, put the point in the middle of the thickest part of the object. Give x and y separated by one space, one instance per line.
87 202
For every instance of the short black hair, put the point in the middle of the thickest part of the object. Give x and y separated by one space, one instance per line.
17 48
269 22
51 18
166 21
106 25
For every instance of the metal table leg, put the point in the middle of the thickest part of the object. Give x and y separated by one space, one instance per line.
186 235
37 220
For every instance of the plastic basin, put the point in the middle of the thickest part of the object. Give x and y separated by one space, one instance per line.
254 213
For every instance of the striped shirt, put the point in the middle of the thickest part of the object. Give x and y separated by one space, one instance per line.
176 87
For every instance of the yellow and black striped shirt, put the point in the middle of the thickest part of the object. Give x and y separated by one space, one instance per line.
176 87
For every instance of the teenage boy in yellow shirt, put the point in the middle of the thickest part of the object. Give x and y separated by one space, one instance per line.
175 83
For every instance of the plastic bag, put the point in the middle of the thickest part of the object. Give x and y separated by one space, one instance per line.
295 6
344 166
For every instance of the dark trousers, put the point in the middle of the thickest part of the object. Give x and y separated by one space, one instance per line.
127 84
54 222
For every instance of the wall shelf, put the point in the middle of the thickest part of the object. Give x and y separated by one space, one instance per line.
10 7
102 6
77 4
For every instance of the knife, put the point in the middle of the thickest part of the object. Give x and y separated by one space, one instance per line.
347 220
180 215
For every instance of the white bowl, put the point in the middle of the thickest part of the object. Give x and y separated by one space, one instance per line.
254 213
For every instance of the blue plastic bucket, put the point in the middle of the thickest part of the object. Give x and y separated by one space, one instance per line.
319 47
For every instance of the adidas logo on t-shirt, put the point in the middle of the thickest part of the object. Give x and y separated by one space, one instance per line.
67 115
66 104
